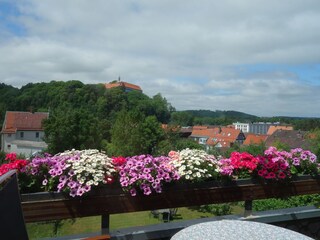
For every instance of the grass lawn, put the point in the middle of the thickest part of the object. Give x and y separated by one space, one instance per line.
117 221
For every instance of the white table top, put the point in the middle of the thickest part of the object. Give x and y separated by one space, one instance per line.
237 230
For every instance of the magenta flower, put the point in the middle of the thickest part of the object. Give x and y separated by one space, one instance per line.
146 173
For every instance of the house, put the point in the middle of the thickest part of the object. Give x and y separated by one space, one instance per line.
127 87
261 127
291 138
254 139
23 133
244 127
219 137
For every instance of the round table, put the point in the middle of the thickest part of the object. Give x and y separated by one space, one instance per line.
237 230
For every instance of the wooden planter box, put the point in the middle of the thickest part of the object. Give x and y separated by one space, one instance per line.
111 199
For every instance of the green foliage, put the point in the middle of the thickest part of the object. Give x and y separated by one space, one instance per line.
281 146
216 209
218 113
315 142
253 149
187 143
72 128
172 141
276 203
8 95
133 134
182 119
307 124
30 184
233 148
2 157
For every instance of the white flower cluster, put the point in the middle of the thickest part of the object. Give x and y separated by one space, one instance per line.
194 164
89 167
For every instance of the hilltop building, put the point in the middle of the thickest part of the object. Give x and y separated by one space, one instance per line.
127 87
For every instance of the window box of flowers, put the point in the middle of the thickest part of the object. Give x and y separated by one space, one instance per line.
88 182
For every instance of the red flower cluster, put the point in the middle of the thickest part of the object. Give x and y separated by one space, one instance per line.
14 163
243 161
118 161
11 157
273 168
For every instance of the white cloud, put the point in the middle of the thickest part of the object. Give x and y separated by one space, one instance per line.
188 51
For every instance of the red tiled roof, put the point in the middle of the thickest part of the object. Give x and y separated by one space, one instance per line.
199 127
23 121
272 129
123 84
224 144
252 138
224 135
228 135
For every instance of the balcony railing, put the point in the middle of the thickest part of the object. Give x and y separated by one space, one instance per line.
111 199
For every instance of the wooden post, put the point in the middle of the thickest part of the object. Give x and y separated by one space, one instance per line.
247 208
105 224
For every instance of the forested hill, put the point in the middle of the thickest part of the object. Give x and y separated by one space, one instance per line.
77 95
89 115
207 117
221 114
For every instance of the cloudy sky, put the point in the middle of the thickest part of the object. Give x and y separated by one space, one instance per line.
255 56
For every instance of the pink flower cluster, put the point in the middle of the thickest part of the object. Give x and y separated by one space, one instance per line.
303 161
146 173
282 164
273 166
238 165
14 163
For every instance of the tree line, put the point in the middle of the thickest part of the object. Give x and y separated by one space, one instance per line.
85 116
91 116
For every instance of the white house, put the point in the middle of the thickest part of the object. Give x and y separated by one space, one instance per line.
23 133
244 127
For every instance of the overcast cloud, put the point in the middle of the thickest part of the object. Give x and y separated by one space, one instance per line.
259 57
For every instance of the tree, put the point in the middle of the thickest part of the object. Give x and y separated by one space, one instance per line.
173 141
182 118
133 134
72 128
254 149
315 142
162 109
307 124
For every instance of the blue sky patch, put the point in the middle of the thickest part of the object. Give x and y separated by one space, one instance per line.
305 72
8 19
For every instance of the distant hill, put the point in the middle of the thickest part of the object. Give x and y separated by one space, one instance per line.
222 114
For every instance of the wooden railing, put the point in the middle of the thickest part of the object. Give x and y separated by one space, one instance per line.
111 199
12 224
